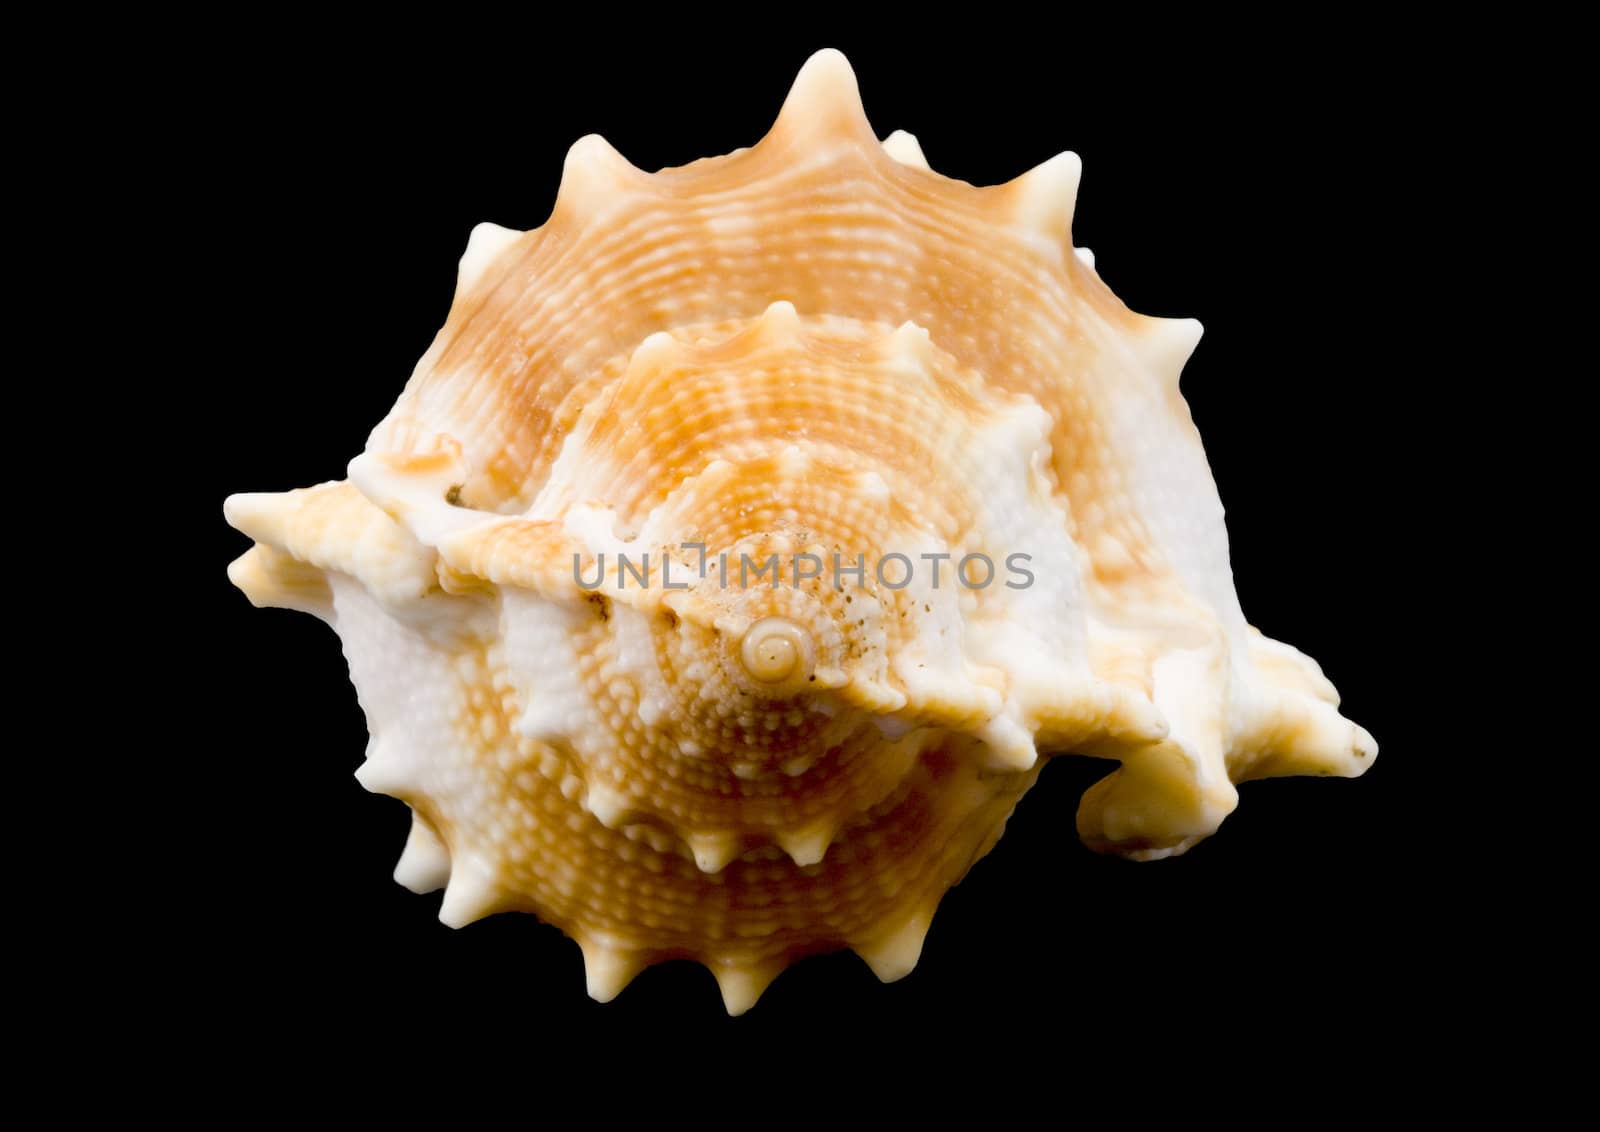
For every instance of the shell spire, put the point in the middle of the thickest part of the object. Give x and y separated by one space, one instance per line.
753 533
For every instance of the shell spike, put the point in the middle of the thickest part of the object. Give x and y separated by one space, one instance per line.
1007 745
1167 344
713 851
263 515
780 322
905 149
384 772
609 807
269 577
607 969
824 102
911 343
742 983
893 954
657 352
1042 200
471 895
1160 787
425 864
807 846
1311 737
594 176
484 247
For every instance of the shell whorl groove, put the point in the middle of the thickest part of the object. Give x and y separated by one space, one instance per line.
748 533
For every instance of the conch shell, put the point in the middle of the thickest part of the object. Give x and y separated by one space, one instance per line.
807 357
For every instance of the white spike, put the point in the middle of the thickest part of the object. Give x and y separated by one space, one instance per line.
472 894
607 969
483 248
263 515
713 851
383 772
1085 257
425 864
893 954
268 577
608 806
743 983
911 343
824 98
1008 745
1311 737
780 322
806 846
595 175
905 149
1167 344
1132 717
657 351
1045 196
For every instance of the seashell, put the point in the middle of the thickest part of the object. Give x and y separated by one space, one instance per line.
749 531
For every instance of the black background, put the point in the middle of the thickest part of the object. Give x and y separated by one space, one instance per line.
1277 196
